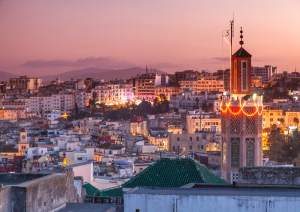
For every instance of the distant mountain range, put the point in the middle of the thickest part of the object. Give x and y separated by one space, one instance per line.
96 73
4 76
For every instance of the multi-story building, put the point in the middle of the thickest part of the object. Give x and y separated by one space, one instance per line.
209 83
159 136
63 102
186 75
104 94
265 72
12 109
26 83
80 99
188 84
190 99
203 122
256 81
195 142
167 91
121 93
143 86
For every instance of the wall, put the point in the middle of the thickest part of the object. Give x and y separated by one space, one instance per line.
86 171
270 175
168 203
5 196
39 193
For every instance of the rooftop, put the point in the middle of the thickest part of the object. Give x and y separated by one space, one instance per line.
88 207
219 191
173 172
241 53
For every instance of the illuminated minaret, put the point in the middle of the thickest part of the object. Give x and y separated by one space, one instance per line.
241 119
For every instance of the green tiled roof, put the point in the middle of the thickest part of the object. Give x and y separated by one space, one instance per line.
112 192
165 172
173 172
90 190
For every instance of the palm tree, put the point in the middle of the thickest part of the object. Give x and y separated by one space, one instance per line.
281 122
296 121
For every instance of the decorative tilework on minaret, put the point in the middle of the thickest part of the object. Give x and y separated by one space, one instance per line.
241 120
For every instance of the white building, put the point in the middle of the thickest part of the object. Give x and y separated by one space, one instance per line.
265 72
104 94
75 157
35 151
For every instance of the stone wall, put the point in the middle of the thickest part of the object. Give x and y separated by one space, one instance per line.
5 196
287 176
45 193
19 177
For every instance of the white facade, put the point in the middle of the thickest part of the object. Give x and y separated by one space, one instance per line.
104 94
80 96
265 72
219 202
62 103
79 156
35 151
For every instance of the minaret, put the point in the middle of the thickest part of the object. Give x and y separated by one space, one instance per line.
23 143
241 119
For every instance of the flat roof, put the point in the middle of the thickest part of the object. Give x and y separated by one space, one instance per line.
218 191
87 207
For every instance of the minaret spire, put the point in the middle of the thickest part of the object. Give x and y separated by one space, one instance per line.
241 36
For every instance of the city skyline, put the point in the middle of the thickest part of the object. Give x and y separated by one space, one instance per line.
54 37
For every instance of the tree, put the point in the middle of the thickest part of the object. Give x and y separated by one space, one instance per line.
163 97
94 96
296 121
281 122
155 102
276 142
76 111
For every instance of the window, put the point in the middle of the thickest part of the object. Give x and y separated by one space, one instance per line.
178 139
191 139
244 75
197 138
249 152
235 152
201 146
271 119
18 161
224 151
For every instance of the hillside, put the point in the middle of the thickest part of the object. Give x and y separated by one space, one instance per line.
4 76
97 73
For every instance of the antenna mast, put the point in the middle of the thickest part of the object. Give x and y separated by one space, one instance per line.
231 68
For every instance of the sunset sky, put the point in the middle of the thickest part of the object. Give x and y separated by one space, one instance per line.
42 37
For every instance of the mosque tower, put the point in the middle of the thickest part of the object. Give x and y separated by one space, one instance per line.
241 119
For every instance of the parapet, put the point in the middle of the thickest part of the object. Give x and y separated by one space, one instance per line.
239 101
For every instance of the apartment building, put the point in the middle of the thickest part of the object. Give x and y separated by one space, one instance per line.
265 72
104 94
203 122
63 102
197 142
12 109
26 83
209 83
144 86
167 91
